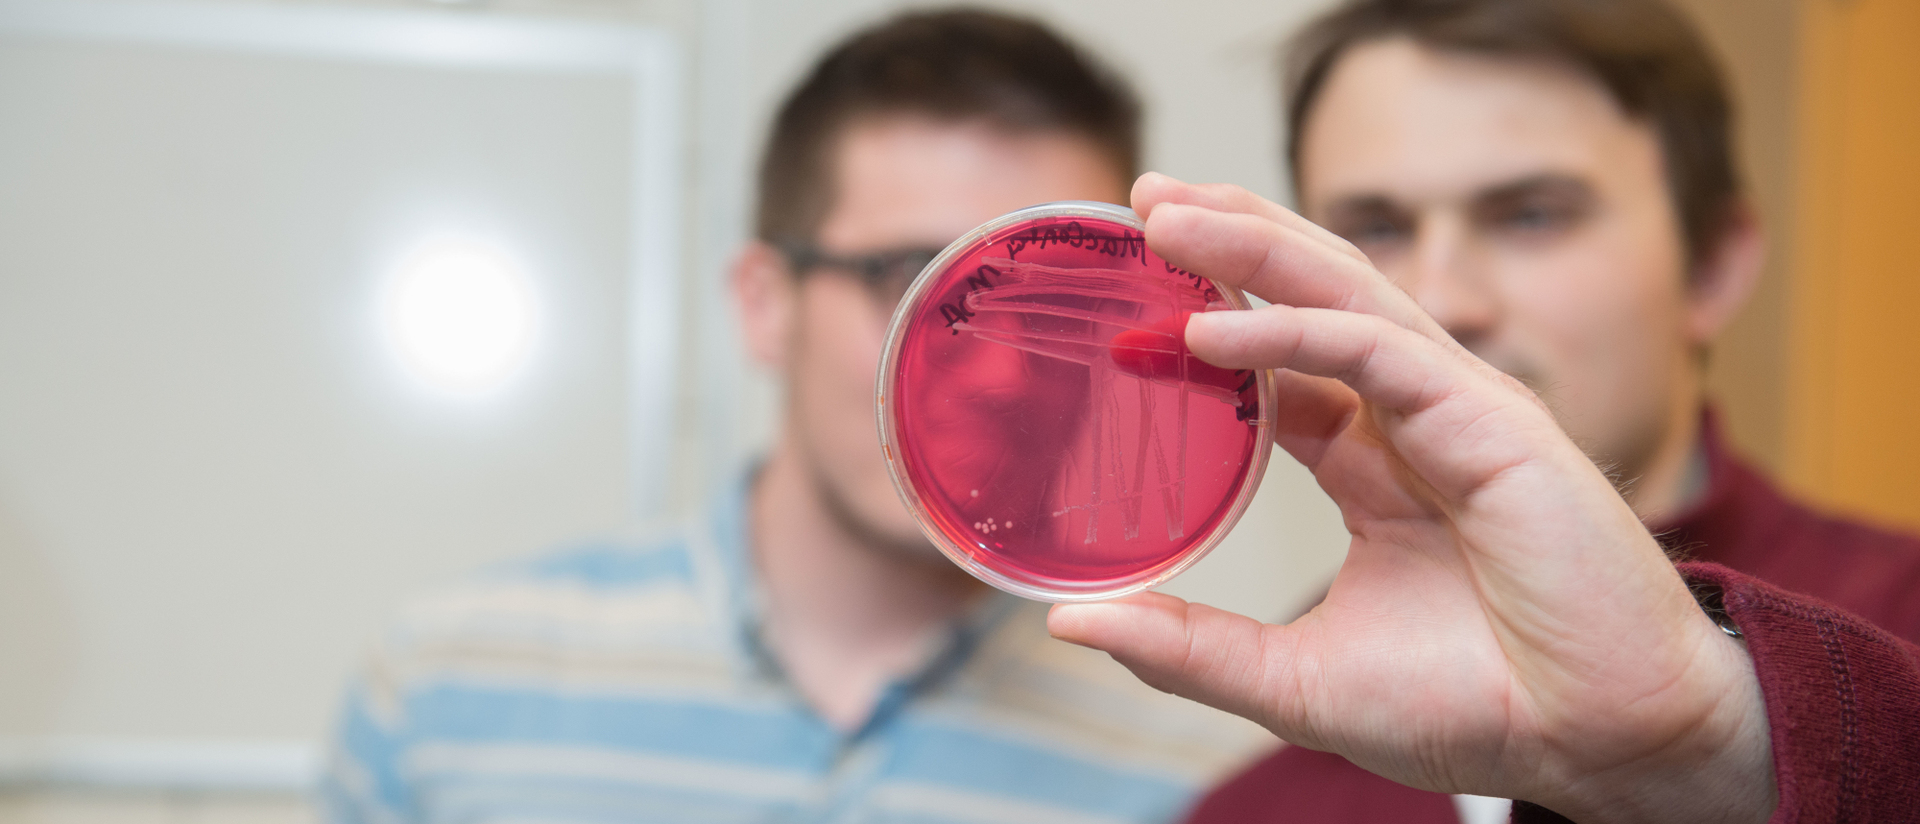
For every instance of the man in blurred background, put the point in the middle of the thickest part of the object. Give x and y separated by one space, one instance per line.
805 653
1553 180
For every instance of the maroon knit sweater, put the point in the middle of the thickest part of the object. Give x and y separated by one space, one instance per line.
1842 687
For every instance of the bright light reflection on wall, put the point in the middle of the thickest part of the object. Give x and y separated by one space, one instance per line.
460 316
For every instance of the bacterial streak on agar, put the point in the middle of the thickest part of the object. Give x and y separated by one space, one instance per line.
1037 374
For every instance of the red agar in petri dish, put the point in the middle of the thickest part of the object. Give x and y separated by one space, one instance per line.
1043 420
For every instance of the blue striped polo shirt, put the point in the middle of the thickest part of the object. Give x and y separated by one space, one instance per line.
624 681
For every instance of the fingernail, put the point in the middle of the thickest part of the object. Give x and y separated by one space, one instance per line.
1207 323
1159 352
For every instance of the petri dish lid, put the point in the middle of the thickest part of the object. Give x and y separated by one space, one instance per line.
1042 419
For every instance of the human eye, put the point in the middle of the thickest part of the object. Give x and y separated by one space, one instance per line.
1537 217
898 272
1537 211
1376 229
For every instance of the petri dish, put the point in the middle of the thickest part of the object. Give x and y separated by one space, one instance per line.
1042 419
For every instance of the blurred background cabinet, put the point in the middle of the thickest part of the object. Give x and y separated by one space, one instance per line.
1854 436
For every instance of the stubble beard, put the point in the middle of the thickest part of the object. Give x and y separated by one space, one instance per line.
1622 463
837 503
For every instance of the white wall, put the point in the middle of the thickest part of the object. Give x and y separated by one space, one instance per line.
146 451
197 402
215 480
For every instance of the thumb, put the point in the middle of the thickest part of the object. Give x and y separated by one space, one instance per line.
1218 658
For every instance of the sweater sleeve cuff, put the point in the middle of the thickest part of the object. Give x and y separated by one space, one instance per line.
1843 701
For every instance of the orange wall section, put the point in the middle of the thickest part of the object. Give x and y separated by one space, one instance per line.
1853 431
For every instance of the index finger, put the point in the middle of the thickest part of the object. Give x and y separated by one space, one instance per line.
1281 265
1154 188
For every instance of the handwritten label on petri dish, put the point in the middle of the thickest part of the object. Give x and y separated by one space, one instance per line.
1048 425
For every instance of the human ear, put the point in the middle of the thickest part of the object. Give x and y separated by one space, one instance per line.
764 293
1725 275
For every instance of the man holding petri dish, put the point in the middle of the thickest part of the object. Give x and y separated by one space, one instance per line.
1504 624
804 653
1552 182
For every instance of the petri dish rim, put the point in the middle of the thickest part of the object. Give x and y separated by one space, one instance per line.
1034 587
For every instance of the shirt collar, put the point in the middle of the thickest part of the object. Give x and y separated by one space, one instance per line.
729 525
1719 483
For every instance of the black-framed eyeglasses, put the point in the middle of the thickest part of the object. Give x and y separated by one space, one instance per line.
886 274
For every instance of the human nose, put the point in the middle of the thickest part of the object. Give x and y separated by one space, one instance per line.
1447 277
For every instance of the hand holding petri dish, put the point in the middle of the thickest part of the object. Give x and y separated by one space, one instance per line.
1042 418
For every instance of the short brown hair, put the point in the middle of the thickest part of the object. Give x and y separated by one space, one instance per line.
1646 54
957 64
